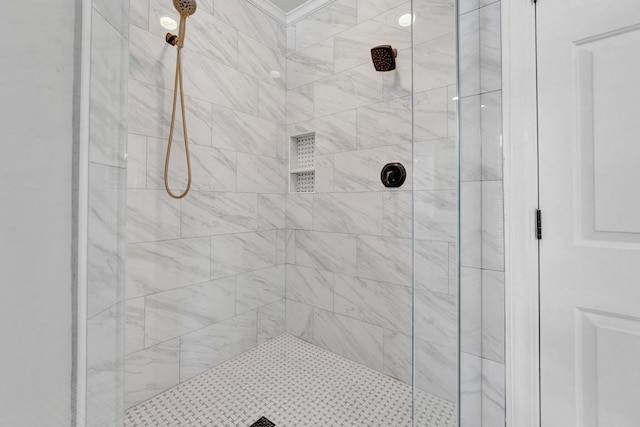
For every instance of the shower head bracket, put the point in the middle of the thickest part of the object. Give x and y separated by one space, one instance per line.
172 39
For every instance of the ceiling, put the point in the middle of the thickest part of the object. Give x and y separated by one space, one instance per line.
288 5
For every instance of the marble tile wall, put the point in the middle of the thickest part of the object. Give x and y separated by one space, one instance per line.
106 208
205 276
349 245
482 216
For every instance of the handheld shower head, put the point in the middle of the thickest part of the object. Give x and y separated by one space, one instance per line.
185 7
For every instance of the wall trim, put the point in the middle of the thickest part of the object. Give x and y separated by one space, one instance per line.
293 16
521 200
270 9
306 9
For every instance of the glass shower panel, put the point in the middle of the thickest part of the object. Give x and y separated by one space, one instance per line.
435 212
482 313
103 164
349 267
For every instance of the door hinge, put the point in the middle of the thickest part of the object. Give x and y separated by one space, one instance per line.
538 224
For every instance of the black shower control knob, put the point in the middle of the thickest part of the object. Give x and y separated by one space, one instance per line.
393 175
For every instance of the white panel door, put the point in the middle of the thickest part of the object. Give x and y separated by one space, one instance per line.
589 118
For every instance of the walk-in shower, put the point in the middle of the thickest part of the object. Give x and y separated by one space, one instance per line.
330 263
299 220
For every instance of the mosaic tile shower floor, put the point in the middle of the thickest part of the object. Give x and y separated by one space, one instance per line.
293 384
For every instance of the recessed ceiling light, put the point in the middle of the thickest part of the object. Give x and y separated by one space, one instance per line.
406 20
168 23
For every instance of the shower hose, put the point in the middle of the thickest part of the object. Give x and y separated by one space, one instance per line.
178 82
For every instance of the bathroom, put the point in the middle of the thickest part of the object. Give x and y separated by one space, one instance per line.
435 240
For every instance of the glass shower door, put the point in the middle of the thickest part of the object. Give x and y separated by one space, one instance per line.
435 213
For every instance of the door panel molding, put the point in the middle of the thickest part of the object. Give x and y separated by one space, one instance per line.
607 378
606 216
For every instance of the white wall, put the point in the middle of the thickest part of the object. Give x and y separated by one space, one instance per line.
36 217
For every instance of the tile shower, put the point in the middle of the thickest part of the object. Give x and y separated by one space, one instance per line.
241 260
179 287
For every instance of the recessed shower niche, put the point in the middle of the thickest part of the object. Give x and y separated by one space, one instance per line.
302 163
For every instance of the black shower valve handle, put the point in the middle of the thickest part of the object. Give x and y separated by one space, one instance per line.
393 175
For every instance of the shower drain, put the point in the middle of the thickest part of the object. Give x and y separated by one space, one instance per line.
262 422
